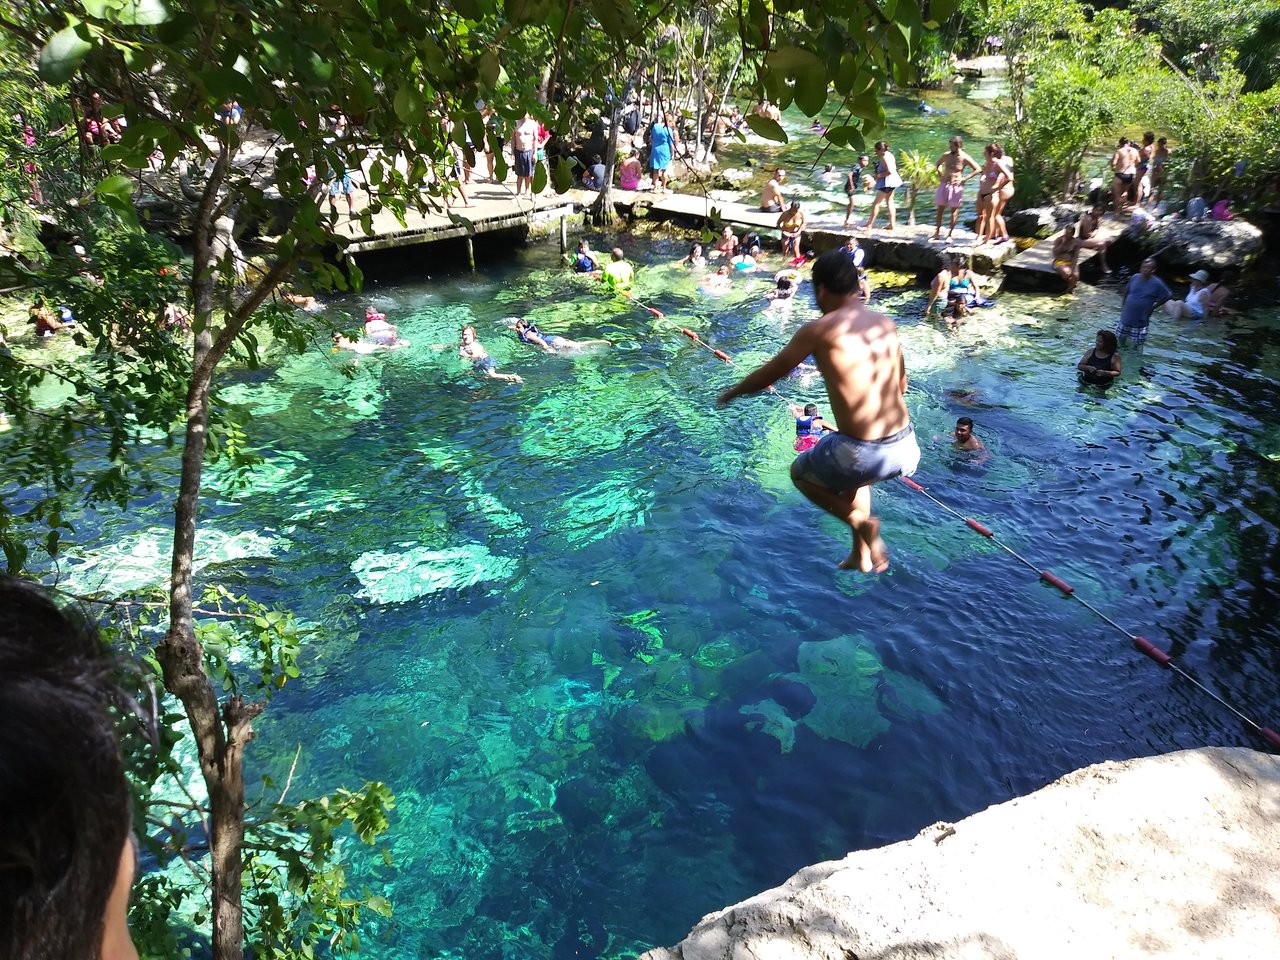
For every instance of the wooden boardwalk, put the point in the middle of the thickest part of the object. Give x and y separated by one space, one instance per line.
494 207
907 248
1036 263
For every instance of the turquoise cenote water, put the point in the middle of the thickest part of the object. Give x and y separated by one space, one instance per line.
598 646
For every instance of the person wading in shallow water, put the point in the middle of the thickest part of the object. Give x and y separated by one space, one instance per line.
859 356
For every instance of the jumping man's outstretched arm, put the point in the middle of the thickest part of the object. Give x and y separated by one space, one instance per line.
800 346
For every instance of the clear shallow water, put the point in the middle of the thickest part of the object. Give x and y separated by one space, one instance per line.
595 642
598 646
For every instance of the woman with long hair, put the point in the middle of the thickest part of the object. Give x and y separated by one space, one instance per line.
887 181
997 232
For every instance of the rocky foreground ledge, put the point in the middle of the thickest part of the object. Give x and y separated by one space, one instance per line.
1173 857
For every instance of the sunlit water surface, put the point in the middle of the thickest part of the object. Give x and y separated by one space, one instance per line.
599 648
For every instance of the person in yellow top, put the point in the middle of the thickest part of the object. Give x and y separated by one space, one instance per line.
791 223
618 275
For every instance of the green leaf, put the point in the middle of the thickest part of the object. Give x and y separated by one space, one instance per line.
407 104
62 55
790 59
764 127
562 176
488 68
846 136
811 90
142 13
539 177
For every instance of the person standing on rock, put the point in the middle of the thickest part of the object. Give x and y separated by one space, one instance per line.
1124 162
860 358
1144 293
950 192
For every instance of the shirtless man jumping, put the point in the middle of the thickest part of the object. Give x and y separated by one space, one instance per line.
859 357
950 192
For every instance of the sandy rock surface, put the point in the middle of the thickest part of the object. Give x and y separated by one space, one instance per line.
1175 857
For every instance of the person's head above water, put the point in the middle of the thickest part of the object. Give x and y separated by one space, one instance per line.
617 253
695 250
584 246
834 273
66 853
964 428
468 333
810 409
1107 341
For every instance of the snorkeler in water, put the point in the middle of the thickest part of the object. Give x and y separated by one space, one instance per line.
550 342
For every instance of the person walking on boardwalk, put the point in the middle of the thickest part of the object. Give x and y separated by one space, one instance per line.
662 144
860 359
887 181
950 192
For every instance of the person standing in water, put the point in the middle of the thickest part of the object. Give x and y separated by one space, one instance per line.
860 359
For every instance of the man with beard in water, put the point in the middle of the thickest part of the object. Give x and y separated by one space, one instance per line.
859 356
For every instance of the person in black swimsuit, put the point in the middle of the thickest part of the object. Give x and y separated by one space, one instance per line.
1101 365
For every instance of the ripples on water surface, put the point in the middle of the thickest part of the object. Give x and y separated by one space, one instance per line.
596 643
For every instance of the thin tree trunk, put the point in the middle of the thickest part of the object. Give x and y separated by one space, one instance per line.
601 212
220 735
724 97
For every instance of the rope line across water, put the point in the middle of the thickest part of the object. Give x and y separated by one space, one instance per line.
1144 645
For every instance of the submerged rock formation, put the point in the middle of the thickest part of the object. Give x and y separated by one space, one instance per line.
1175 856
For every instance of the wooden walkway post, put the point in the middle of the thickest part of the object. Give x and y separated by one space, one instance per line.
564 234
471 253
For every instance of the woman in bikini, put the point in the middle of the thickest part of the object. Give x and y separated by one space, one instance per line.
987 186
1002 193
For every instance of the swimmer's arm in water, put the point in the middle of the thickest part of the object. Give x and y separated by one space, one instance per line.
802 343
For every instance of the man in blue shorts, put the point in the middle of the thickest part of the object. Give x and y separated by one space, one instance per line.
1144 293
859 356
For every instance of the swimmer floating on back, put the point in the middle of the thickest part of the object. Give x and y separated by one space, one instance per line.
473 350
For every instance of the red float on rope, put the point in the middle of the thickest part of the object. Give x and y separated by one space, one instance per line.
912 484
690 334
1152 651
1058 582
975 525
1270 735
722 355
